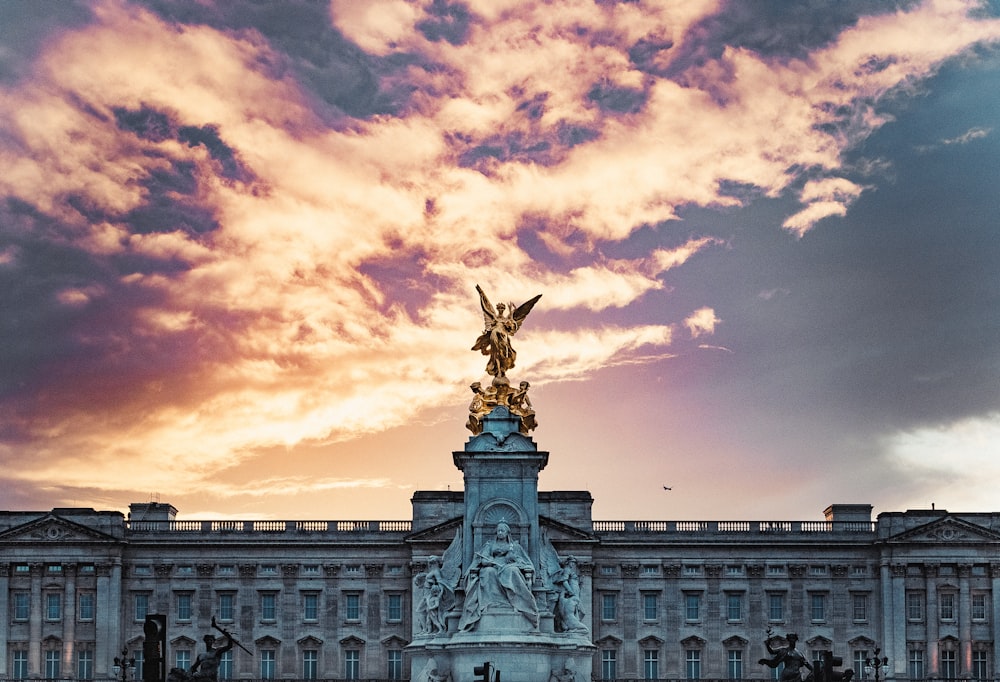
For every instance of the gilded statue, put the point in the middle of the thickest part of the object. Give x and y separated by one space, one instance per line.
501 324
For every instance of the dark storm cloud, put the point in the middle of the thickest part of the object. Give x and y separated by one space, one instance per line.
208 137
617 99
448 21
26 26
331 67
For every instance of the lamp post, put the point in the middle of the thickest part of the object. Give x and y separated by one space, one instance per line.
123 665
876 664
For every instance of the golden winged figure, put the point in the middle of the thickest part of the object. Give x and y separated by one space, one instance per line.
501 323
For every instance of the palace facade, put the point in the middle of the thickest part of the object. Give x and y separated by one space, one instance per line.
661 599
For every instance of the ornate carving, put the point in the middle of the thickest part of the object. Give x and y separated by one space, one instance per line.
331 570
931 569
4 570
839 570
672 570
898 570
374 570
205 570
713 570
755 570
630 570
797 570
103 570
289 570
162 570
247 570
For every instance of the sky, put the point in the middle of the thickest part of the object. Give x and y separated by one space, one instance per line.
239 246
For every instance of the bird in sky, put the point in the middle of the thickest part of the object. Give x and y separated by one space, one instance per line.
666 488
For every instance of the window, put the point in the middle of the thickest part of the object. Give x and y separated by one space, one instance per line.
859 571
914 606
394 664
650 664
692 664
979 607
85 664
860 656
692 570
609 606
22 568
267 664
859 607
182 658
226 666
227 569
692 606
980 665
184 606
268 606
775 570
734 607
226 606
650 571
140 603
394 608
137 655
352 664
817 606
310 569
609 664
609 570
142 570
22 605
817 570
947 606
775 607
915 664
269 569
733 570
86 611
19 664
52 664
310 607
310 664
949 665
185 570
352 603
53 606
650 606
734 664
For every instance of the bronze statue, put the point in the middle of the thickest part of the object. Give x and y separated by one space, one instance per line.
501 324
790 657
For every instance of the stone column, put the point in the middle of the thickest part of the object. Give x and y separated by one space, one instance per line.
69 620
893 594
35 623
109 615
965 620
5 608
995 616
629 617
933 620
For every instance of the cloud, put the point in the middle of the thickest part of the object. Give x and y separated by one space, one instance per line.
701 322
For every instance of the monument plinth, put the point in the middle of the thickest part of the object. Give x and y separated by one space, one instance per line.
500 592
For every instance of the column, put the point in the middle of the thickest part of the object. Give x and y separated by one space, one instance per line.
995 616
628 616
933 620
108 616
4 609
964 620
69 620
893 625
35 623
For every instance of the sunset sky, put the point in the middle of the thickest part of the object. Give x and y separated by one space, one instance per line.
239 245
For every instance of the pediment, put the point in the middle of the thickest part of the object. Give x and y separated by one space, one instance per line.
693 642
52 528
735 642
183 642
352 641
394 642
560 532
861 642
947 530
310 642
608 642
267 642
442 532
819 643
651 642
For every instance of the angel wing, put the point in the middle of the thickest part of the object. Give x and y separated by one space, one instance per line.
489 312
521 311
549 559
451 561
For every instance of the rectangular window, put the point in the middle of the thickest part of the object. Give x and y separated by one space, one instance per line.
310 664
775 607
979 607
182 658
650 606
734 666
817 606
269 569
394 664
860 656
734 607
651 664
859 604
86 609
137 655
949 665
650 571
19 664
52 664
609 664
947 606
915 664
22 605
352 664
352 603
980 665
692 664
85 664
609 606
227 606
226 666
267 664
394 608
53 606
914 606
227 569
268 606
692 606
733 570
140 603
184 606
310 607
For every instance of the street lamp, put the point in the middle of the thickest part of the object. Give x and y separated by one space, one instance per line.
876 664
123 665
